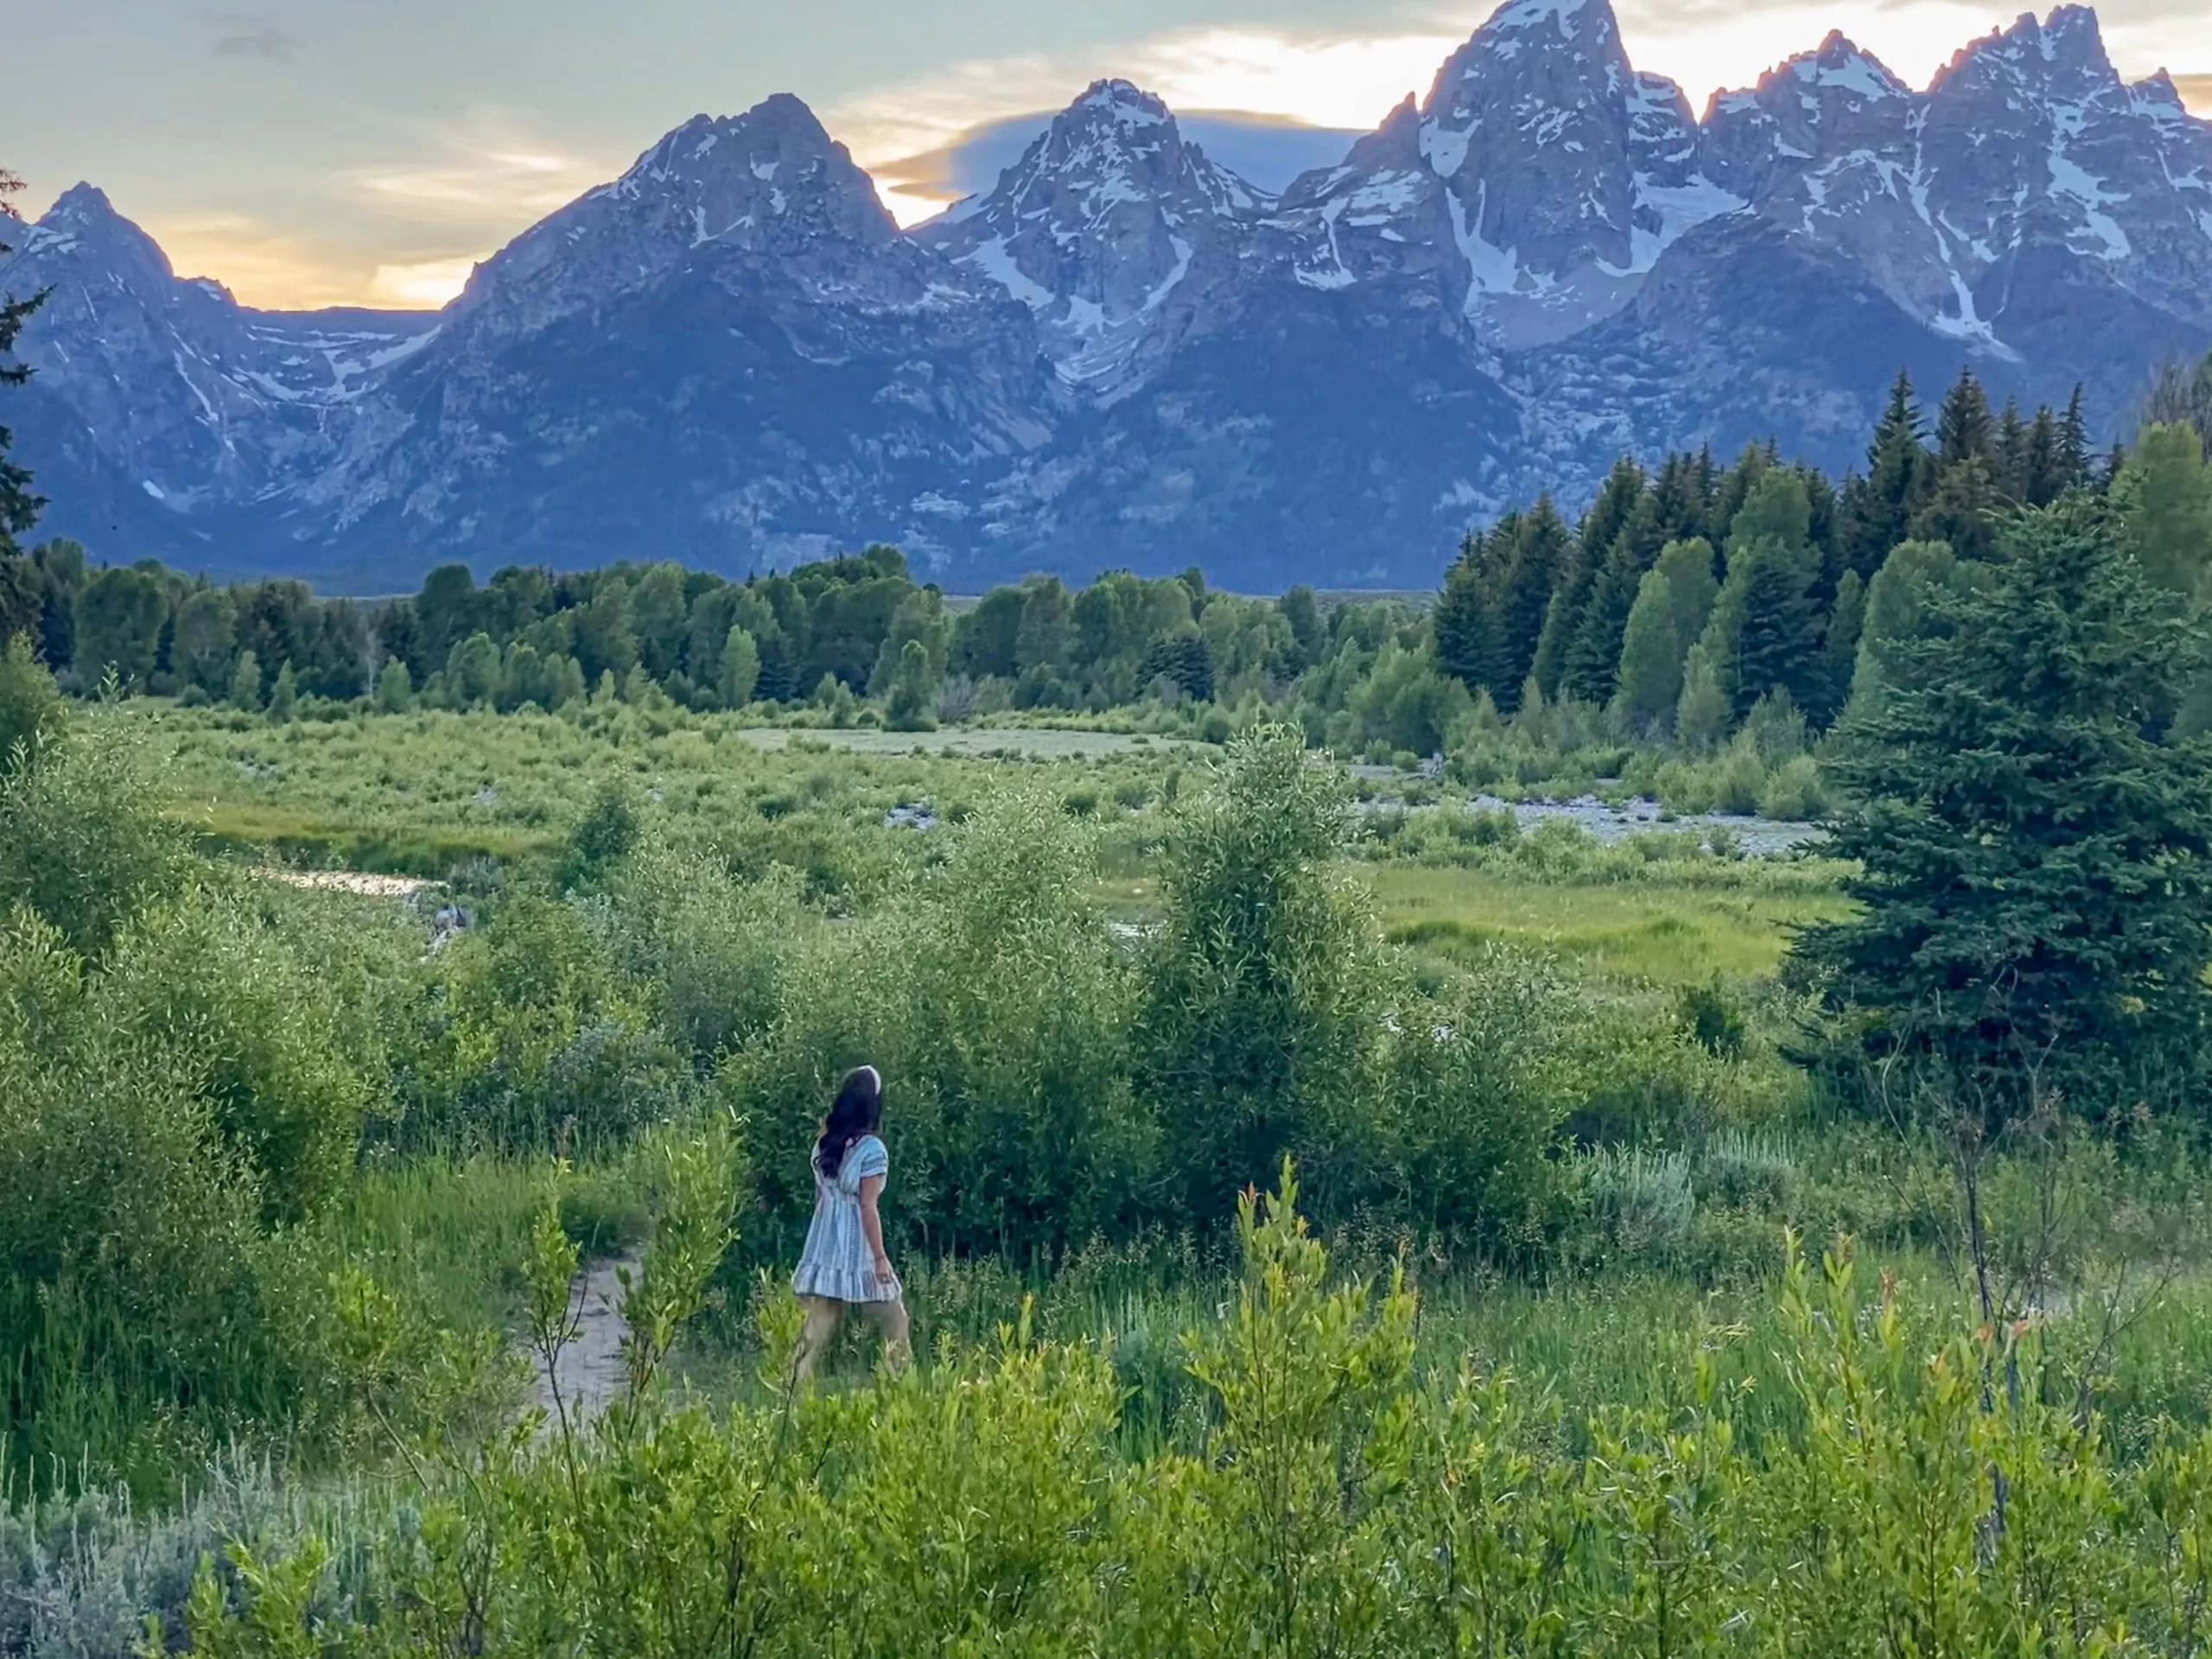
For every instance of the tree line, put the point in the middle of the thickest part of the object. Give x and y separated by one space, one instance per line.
1686 597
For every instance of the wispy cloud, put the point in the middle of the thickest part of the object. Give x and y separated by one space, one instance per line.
245 35
485 172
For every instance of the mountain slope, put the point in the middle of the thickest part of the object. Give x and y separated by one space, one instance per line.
1122 353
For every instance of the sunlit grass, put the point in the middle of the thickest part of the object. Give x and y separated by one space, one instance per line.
1655 931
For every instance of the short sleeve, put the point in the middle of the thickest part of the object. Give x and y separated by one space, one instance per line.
869 1156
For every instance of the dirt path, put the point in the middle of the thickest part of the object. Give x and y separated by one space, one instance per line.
590 1369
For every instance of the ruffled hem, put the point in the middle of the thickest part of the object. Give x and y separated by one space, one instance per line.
842 1284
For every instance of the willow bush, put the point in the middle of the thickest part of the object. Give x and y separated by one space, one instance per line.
1326 1503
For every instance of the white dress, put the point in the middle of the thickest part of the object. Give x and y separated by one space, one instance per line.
837 1262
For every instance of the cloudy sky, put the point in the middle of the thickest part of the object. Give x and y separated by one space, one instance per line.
321 152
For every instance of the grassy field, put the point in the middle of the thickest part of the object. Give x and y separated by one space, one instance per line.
1657 931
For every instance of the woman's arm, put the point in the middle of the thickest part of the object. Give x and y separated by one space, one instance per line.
872 1224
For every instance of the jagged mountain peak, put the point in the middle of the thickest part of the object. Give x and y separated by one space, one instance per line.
770 182
1098 229
84 223
2061 55
1842 64
1588 22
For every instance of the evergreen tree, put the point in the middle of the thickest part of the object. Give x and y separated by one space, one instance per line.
1777 636
19 508
1898 611
1840 647
1877 509
1595 655
1302 610
2044 478
2034 868
1616 500
1469 646
2011 470
1562 617
1964 428
1961 510
1765 629
1185 658
1677 500
1542 548
2181 395
2073 469
1650 677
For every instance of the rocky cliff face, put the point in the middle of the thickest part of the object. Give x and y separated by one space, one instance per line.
1124 353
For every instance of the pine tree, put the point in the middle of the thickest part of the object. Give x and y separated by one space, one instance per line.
1964 428
2073 470
1541 546
1465 618
1650 672
2011 469
19 508
1562 620
1840 647
1777 639
2045 480
1879 509
2035 866
1618 498
1959 511
1595 655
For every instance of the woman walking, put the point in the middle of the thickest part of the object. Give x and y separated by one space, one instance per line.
843 1264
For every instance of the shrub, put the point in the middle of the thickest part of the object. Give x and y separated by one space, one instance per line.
83 840
994 999
709 952
1642 1197
1258 1030
1478 1087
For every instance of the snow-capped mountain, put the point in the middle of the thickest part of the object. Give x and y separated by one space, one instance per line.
1112 229
1123 352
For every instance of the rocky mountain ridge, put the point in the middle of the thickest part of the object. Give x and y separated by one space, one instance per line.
1125 353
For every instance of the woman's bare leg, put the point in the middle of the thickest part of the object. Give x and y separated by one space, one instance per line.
891 1318
814 1336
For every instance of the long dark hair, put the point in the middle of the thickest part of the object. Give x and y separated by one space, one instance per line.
855 1112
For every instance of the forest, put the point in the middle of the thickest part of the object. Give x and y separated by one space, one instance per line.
1388 1155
